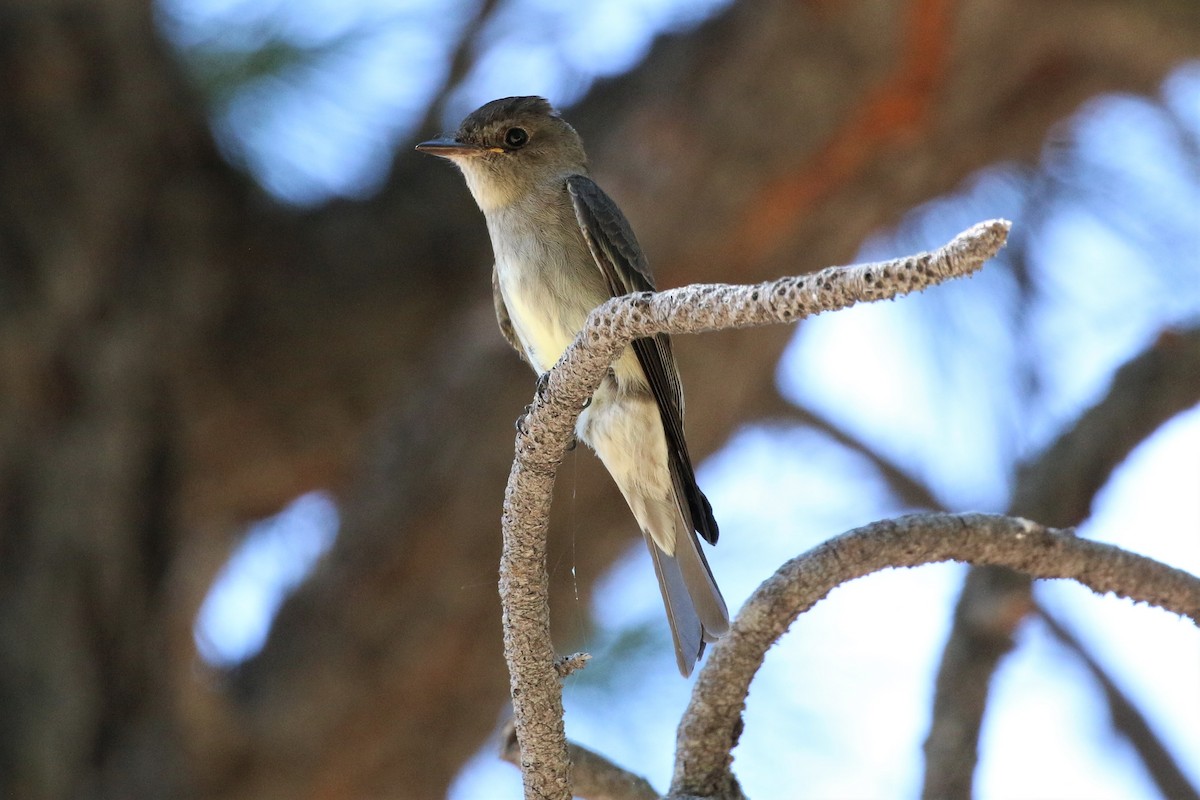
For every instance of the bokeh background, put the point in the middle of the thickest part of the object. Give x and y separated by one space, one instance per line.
257 415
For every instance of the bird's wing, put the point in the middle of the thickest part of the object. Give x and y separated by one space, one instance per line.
506 325
620 259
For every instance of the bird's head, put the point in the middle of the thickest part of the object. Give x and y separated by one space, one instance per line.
511 147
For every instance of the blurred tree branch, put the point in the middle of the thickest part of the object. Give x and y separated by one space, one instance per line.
1058 486
593 777
1127 719
906 488
461 61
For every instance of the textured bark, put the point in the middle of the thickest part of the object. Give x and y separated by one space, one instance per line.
593 777
178 356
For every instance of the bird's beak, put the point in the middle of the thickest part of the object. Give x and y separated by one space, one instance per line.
450 148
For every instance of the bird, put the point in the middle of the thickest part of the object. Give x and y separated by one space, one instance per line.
563 247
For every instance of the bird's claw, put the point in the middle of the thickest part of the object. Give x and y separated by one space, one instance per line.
520 423
543 382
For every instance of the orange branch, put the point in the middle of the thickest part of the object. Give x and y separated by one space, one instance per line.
892 112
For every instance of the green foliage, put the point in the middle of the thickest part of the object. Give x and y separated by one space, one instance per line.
220 68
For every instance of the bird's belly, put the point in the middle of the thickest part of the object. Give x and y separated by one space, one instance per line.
546 329
625 430
545 325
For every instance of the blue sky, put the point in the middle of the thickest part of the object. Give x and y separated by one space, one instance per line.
331 127
843 702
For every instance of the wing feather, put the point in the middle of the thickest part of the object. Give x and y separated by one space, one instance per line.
620 259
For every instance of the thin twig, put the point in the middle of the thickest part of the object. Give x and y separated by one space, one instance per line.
461 59
566 665
906 488
524 585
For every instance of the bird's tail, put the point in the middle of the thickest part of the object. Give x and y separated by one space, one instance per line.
695 608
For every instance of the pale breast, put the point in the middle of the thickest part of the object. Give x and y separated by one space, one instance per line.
537 318
547 278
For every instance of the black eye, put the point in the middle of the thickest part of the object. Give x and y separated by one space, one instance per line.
516 137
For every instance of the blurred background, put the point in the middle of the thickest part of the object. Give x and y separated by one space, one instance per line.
257 416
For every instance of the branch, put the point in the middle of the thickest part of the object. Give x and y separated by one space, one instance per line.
593 776
524 586
462 58
906 488
990 606
713 718
1146 391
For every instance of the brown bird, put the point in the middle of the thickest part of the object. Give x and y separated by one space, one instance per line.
562 247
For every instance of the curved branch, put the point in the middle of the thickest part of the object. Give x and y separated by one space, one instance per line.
524 585
713 718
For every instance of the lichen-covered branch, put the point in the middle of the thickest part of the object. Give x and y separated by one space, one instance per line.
593 777
548 428
713 718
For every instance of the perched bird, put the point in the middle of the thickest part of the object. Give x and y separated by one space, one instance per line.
562 247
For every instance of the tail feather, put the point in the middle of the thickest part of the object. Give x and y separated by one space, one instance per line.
694 605
659 484
695 514
686 630
701 586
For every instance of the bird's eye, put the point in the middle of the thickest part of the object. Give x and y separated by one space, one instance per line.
516 137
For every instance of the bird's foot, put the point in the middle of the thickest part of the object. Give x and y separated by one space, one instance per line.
542 381
520 423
